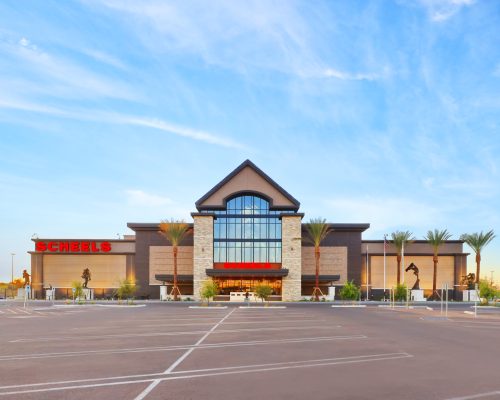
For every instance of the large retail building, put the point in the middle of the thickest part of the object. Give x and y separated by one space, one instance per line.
245 230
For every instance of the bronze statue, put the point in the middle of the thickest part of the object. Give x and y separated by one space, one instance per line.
26 278
469 280
414 268
86 276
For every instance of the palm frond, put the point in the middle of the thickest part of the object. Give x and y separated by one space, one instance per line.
436 238
174 231
317 230
477 241
399 238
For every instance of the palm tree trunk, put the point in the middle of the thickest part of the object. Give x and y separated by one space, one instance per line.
175 289
434 276
398 258
478 266
316 290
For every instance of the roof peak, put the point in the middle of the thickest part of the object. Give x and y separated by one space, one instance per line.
294 203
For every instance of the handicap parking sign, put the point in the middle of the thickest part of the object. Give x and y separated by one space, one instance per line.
28 288
73 290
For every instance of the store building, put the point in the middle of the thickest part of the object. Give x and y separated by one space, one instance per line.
245 230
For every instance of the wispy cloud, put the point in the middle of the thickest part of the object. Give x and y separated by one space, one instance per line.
61 76
105 58
140 198
179 130
333 73
284 37
122 119
442 10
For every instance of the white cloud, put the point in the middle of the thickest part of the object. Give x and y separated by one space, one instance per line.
141 198
22 105
24 42
61 76
123 119
442 10
179 130
333 73
105 58
269 35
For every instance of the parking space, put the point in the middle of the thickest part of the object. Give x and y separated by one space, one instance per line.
170 351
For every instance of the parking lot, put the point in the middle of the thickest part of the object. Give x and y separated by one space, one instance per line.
159 351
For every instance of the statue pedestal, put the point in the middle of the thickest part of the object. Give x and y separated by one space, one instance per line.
417 295
88 294
163 293
331 293
50 294
470 295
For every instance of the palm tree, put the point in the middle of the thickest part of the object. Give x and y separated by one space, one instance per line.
399 238
317 229
436 238
174 231
477 241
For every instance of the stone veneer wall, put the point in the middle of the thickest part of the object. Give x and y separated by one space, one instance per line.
203 242
291 251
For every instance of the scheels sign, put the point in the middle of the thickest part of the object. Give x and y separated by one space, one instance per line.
73 247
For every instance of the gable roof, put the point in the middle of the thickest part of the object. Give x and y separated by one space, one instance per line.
295 204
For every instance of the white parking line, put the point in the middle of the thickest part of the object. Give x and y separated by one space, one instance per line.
200 373
132 335
153 384
235 323
477 396
179 347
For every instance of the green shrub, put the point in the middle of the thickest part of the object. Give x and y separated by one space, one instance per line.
209 290
349 291
78 287
263 291
126 289
400 292
487 290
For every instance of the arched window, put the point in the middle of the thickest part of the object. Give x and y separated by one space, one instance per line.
247 231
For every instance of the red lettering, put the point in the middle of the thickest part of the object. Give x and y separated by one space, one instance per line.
63 246
247 265
40 246
85 246
106 247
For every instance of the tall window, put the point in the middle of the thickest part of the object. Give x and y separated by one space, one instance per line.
247 231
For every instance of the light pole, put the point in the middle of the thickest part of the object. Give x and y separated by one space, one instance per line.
12 265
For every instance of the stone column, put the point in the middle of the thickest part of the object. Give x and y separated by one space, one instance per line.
203 250
291 249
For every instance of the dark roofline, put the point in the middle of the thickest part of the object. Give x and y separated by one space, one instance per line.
145 226
343 227
389 241
244 164
82 240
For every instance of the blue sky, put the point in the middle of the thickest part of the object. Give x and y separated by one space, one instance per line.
385 112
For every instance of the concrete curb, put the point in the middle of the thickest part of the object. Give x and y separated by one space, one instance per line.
209 308
349 306
260 307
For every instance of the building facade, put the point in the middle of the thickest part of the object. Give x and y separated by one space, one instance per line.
246 230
